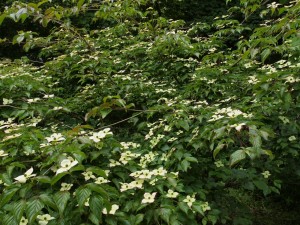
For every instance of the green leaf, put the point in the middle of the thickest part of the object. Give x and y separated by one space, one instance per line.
218 149
58 177
80 3
184 207
9 220
138 219
165 214
61 199
236 157
97 188
105 112
94 218
184 124
47 200
18 209
82 194
265 54
6 196
184 165
96 206
33 208
2 17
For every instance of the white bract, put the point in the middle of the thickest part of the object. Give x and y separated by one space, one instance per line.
189 200
66 165
97 136
65 186
3 153
23 178
44 219
112 211
172 194
23 221
55 137
148 197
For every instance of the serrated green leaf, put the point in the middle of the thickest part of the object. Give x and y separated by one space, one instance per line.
82 194
47 200
9 220
96 205
184 207
18 209
6 195
33 209
165 214
61 199
97 188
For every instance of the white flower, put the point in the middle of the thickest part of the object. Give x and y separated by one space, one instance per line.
2 153
100 135
87 202
48 96
101 180
44 219
23 178
23 221
266 174
66 164
55 137
88 175
113 210
114 163
160 172
219 163
7 101
172 194
65 186
291 138
148 197
189 200
205 206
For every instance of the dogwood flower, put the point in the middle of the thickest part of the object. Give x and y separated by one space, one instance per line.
189 200
44 219
66 164
205 207
23 178
148 197
55 137
23 221
266 174
112 211
88 175
65 186
97 136
172 194
101 180
7 101
2 153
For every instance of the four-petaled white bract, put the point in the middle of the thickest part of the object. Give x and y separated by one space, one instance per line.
44 219
97 136
189 200
148 197
23 221
55 137
172 194
23 178
66 164
112 211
